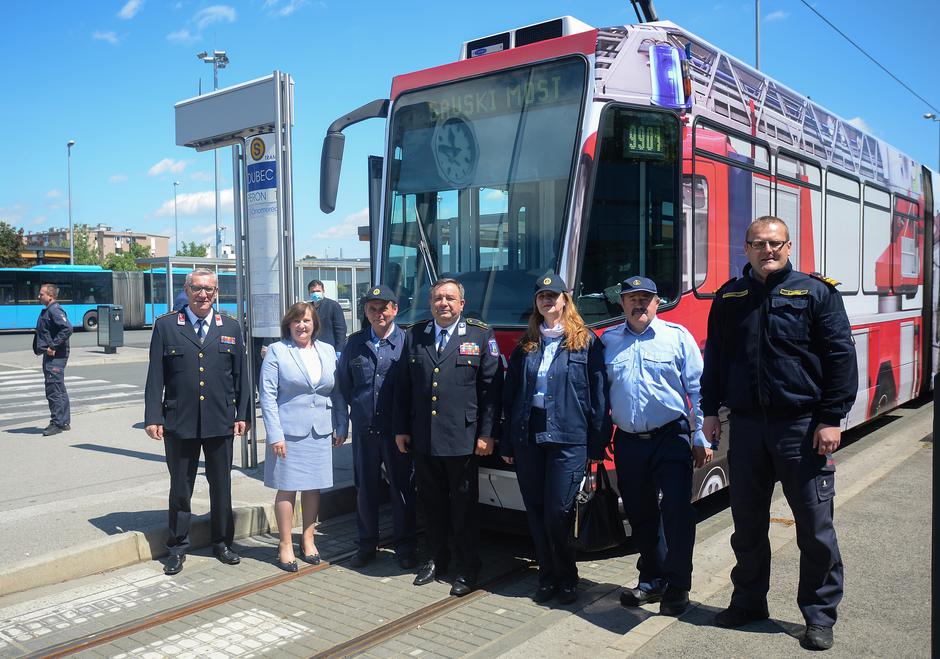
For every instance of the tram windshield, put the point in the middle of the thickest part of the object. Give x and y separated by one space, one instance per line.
479 177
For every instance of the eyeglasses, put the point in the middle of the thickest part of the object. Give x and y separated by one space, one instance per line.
761 244
208 290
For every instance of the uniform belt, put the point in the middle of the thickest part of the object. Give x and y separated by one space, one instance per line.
680 424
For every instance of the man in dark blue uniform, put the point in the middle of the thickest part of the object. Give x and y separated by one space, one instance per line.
447 402
196 399
51 340
332 320
781 357
366 377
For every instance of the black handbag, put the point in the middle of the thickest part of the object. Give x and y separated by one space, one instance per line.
596 524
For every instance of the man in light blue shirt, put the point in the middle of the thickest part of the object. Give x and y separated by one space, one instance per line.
653 368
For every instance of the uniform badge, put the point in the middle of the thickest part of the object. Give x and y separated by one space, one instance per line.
230 340
462 329
181 319
469 348
546 281
635 282
734 294
494 349
376 291
218 320
788 292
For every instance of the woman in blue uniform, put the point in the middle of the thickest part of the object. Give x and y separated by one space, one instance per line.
555 419
297 382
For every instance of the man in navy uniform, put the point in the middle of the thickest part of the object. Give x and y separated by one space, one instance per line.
366 378
781 357
196 399
654 369
332 320
447 404
51 340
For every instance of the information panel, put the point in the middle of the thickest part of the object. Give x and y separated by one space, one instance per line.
263 240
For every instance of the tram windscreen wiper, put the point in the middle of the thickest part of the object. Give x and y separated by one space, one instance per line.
424 248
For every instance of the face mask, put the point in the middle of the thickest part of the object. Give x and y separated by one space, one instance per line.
316 296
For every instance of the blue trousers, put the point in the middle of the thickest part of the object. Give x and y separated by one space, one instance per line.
663 531
762 451
370 451
549 477
53 371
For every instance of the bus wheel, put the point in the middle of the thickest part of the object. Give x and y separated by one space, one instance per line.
90 321
714 481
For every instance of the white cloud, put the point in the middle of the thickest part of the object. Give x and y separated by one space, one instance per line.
214 14
167 165
100 35
861 124
197 203
182 36
348 228
39 220
778 15
53 194
285 8
129 10
117 178
200 176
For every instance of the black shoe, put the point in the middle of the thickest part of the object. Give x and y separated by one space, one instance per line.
51 429
631 597
675 601
362 558
174 564
568 595
463 585
544 593
66 427
736 616
407 562
227 556
428 573
312 559
287 567
817 637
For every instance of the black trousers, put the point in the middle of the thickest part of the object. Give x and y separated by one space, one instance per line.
448 490
760 452
53 372
370 451
182 461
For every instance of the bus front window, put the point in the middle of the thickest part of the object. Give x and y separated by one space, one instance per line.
479 176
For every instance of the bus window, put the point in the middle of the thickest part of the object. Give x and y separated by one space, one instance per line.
7 288
93 288
634 224
842 231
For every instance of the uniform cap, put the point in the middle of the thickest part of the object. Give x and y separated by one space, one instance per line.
638 284
380 292
550 282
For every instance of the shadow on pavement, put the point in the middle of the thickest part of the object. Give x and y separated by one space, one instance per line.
119 522
24 431
140 455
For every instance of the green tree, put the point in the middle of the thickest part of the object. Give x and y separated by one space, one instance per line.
192 249
11 242
127 260
85 254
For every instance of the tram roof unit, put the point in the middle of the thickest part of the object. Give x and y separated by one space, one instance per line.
724 89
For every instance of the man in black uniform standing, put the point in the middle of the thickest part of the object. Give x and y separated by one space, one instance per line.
446 412
781 357
197 398
51 340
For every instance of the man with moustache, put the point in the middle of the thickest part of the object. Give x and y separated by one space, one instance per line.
653 368
781 357
447 405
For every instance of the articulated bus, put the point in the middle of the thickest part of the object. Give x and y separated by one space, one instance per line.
600 153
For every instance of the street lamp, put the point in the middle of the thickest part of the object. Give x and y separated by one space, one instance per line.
934 117
218 59
176 218
69 146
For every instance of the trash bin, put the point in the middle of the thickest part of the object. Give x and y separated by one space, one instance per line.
110 327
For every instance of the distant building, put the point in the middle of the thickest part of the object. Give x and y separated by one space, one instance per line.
101 238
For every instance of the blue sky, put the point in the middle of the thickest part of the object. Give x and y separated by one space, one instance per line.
107 75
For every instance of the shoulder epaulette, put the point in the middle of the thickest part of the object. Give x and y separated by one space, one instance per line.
477 323
826 280
226 314
727 283
168 313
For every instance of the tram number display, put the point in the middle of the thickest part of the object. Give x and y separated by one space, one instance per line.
643 141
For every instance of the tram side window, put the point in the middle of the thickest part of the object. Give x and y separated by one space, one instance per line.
634 224
876 230
843 231
696 241
798 203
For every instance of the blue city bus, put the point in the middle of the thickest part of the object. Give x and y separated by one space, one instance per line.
83 287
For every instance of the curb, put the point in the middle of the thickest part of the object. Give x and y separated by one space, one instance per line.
131 547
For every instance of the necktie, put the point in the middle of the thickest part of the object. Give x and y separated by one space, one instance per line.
441 342
201 324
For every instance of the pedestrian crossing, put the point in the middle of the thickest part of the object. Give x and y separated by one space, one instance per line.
23 395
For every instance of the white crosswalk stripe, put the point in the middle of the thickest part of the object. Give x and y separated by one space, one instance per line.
22 395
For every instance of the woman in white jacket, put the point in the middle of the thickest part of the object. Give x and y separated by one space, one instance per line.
297 382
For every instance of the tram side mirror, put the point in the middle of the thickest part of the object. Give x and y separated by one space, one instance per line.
375 207
331 162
